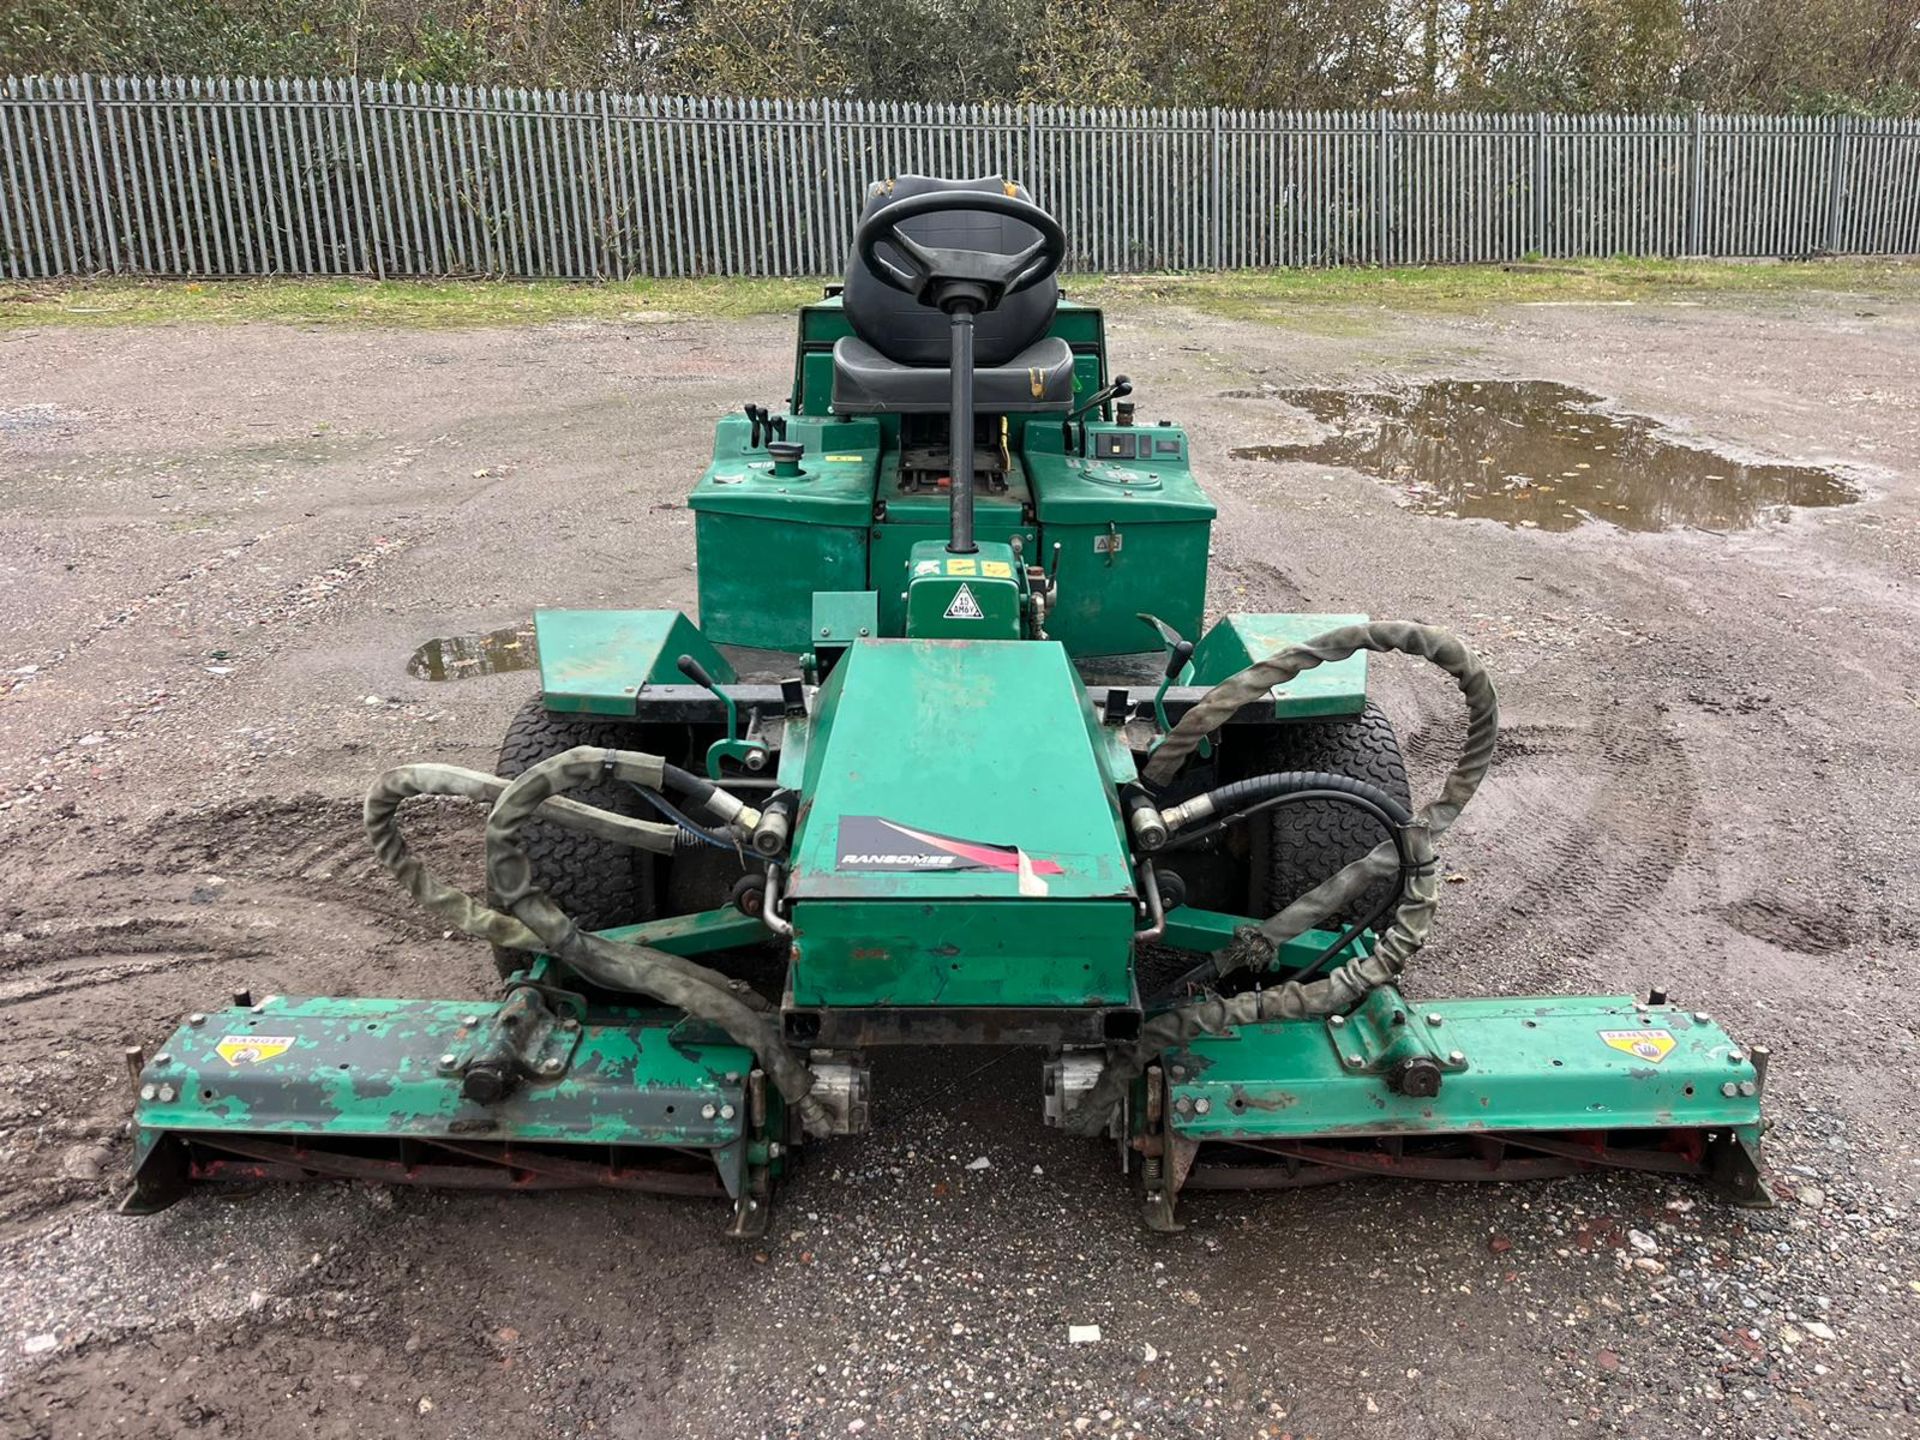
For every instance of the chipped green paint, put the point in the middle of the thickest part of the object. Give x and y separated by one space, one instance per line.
1526 1064
339 1067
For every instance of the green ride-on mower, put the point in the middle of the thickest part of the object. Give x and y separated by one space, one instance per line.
951 758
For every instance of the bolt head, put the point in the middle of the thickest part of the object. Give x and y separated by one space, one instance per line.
726 1112
1730 1089
1700 1017
1456 1057
707 1112
1183 1105
147 1092
732 1077
1337 1021
163 1058
1202 1105
1354 1062
550 1066
1735 1057
1747 1087
1434 1017
196 1019
469 1020
167 1093
447 1060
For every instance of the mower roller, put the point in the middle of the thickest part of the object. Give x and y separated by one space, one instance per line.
950 759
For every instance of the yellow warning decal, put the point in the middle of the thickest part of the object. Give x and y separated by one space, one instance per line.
252 1049
1651 1046
962 567
844 459
996 569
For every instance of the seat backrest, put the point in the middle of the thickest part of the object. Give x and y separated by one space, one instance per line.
909 333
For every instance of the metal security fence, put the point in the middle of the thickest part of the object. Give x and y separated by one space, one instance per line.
339 177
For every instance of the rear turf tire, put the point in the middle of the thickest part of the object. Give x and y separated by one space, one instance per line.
598 883
1295 847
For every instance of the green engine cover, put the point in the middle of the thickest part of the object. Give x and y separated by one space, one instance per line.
962 843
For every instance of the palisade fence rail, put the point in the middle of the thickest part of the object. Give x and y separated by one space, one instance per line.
204 177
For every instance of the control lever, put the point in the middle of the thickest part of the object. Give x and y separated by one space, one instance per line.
1121 386
750 754
1179 652
1075 437
754 413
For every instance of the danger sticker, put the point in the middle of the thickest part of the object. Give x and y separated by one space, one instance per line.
964 606
843 459
962 567
239 1050
1651 1046
996 569
868 842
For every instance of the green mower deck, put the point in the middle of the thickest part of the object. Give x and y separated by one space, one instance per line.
952 756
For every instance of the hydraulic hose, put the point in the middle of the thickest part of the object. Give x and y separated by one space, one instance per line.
639 968
672 979
1348 984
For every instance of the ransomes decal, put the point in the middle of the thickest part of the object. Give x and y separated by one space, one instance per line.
868 842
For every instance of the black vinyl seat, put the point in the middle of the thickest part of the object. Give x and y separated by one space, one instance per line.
896 359
865 382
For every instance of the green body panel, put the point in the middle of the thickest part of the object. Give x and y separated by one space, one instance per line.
962 952
1339 688
906 732
371 1068
766 543
981 596
595 662
911 520
1526 1064
841 617
1133 536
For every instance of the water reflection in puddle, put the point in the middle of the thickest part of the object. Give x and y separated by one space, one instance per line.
460 657
1538 454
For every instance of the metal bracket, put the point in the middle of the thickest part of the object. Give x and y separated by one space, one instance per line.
522 1038
1385 1037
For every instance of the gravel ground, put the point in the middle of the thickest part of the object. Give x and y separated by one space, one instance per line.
220 547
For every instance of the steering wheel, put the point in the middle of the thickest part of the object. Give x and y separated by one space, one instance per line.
944 278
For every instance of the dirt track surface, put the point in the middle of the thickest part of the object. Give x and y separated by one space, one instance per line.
218 544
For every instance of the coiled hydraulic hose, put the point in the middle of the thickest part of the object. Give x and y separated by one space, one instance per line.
535 923
1236 802
1346 986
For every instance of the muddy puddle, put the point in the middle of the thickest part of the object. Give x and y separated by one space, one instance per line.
1544 456
461 657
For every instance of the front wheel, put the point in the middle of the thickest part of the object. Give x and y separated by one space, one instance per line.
1294 847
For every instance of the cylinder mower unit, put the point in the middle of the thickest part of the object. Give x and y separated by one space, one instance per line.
1006 789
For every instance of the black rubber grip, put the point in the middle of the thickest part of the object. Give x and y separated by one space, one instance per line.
694 671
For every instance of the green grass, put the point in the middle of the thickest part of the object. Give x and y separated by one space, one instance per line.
1332 300
407 303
